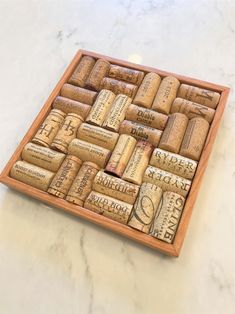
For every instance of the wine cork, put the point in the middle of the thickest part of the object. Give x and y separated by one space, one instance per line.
63 179
126 74
145 207
32 175
146 116
98 136
119 87
167 219
173 134
79 94
82 71
49 128
99 71
138 162
147 90
121 155
71 106
177 164
82 184
42 156
117 112
108 207
89 152
141 132
166 94
194 138
199 95
115 187
67 132
101 107
192 109
167 181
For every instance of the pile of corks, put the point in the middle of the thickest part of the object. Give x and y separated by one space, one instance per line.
122 143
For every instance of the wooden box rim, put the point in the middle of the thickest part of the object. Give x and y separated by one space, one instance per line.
169 249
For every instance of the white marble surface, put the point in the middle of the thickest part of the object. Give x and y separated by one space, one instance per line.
51 262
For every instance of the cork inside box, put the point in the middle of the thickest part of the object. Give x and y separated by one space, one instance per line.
167 248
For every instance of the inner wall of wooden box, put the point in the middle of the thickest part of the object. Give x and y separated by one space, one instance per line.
170 249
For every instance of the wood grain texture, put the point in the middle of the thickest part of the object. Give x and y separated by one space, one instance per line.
169 249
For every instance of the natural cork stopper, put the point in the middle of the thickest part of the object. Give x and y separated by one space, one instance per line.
166 94
147 117
119 87
71 106
89 152
199 95
147 90
167 218
82 184
167 181
138 162
67 132
117 112
101 107
141 132
63 179
174 163
32 175
42 156
98 136
108 207
99 71
82 71
192 109
49 128
115 187
194 138
121 155
79 94
145 207
126 74
173 134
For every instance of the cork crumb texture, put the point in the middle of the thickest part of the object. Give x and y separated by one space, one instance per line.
122 145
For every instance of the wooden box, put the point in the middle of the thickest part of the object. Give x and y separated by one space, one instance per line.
170 249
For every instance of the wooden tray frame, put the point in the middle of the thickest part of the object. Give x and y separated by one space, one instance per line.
169 249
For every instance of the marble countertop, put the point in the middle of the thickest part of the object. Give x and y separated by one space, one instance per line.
51 262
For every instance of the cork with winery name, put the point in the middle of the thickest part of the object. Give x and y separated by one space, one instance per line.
42 156
67 132
194 138
119 87
82 71
126 74
49 128
173 134
64 177
32 175
117 112
141 132
168 216
115 187
98 136
147 117
145 207
82 184
121 155
71 106
99 71
89 152
79 94
167 181
138 162
108 207
199 95
147 90
166 94
101 107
